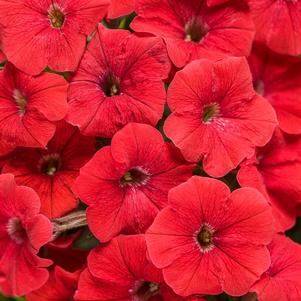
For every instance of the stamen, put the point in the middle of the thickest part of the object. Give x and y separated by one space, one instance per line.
111 85
136 176
205 238
56 16
195 31
50 164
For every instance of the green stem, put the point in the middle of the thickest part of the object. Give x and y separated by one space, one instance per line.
122 24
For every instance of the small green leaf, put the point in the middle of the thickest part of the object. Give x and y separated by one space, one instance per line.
86 241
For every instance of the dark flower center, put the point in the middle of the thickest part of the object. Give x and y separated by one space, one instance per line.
111 85
259 87
195 30
20 100
145 290
210 111
205 237
134 177
56 16
15 230
50 164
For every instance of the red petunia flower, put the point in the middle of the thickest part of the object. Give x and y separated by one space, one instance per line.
118 81
68 263
52 172
126 184
283 279
61 286
216 114
278 24
51 33
119 8
29 106
23 232
209 240
278 78
66 254
192 30
275 171
121 271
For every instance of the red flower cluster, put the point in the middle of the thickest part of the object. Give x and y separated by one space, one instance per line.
116 119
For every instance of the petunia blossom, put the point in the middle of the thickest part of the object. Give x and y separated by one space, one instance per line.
210 240
68 263
23 232
52 172
49 33
119 80
137 278
66 254
277 77
283 278
120 8
275 171
126 184
61 286
216 114
192 30
278 24
29 108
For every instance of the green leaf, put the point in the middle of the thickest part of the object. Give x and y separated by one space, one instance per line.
86 241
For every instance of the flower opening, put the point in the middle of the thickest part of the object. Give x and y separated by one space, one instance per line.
205 238
195 31
15 230
56 16
210 111
144 290
135 177
50 164
111 85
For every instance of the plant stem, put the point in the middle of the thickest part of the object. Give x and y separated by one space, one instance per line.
73 220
